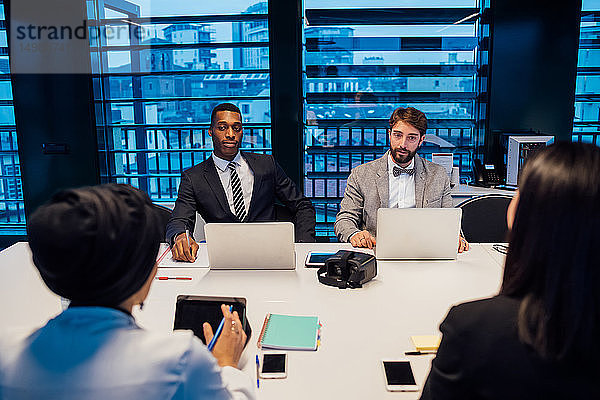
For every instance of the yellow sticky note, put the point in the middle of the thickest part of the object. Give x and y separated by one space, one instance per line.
426 342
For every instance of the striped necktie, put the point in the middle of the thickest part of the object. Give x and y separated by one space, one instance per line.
238 196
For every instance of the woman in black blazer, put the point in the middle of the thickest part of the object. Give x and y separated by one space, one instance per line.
540 337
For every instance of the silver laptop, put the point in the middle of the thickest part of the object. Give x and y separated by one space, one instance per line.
418 233
255 245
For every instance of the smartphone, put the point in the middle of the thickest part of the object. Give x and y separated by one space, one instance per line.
274 366
399 376
316 260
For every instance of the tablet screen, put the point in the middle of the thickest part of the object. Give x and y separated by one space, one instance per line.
192 311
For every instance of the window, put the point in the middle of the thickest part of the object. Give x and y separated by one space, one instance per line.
586 124
12 210
386 54
159 83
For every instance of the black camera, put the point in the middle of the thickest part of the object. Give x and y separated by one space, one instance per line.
348 269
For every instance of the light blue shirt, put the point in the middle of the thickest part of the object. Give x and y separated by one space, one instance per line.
245 174
401 187
100 353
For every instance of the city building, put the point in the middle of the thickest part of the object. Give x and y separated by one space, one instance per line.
252 31
192 59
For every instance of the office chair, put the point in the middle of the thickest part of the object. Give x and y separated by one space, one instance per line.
283 213
199 235
165 214
484 218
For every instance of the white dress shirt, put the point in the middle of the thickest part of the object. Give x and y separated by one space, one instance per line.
401 187
101 353
244 173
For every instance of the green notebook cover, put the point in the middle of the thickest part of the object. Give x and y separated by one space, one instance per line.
290 332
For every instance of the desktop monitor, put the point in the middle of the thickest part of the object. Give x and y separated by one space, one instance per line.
519 149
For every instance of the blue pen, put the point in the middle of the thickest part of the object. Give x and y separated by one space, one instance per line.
218 332
257 369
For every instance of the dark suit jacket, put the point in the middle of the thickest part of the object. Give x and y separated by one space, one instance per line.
481 357
201 190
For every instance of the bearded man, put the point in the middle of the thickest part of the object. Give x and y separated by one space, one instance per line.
399 179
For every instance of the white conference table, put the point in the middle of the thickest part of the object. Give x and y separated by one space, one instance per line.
496 255
360 326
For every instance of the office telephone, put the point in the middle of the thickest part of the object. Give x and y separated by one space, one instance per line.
485 174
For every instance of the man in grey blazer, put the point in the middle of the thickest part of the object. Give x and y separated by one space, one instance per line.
398 179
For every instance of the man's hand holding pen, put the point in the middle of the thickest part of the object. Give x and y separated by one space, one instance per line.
185 248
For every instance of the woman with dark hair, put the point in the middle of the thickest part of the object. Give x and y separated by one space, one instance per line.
97 246
540 337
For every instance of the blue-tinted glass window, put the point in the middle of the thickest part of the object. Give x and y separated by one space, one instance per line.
12 211
586 124
157 81
357 73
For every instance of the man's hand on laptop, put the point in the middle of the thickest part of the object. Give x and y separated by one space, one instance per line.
463 245
181 251
363 239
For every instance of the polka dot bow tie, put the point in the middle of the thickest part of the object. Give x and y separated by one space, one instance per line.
408 171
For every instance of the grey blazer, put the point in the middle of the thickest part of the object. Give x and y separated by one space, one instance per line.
367 190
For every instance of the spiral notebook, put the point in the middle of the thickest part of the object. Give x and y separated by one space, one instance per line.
289 332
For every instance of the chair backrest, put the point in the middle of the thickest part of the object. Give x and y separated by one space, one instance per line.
484 218
165 215
283 214
199 235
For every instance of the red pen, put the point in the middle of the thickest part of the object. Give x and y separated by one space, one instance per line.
177 278
163 254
